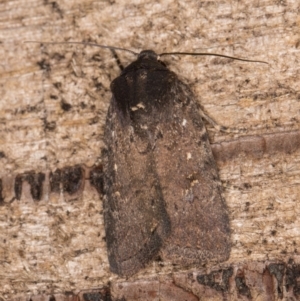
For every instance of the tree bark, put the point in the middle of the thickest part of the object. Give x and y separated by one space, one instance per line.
54 100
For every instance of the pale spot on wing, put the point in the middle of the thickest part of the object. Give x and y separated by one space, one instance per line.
188 156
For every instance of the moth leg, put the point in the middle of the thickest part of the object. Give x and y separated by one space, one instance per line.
216 126
117 59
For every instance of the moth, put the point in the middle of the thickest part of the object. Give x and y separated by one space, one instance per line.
162 193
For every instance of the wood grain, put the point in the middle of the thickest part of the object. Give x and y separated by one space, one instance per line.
54 100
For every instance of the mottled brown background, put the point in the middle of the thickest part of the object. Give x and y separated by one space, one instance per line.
54 101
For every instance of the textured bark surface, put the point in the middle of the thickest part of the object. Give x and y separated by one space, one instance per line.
53 105
247 281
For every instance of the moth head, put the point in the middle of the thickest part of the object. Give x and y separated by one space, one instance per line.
148 54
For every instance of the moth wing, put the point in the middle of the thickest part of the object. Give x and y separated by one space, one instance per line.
135 218
190 185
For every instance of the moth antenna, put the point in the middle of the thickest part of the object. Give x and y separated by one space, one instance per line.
87 44
213 54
